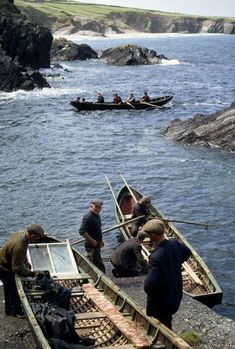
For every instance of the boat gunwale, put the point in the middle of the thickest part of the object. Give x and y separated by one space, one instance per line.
217 294
104 284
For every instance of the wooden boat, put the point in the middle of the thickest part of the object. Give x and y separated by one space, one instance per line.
198 281
154 103
103 312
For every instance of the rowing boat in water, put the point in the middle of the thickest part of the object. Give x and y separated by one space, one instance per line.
103 312
154 103
198 281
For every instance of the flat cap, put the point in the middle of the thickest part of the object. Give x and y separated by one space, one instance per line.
36 229
154 226
97 202
145 200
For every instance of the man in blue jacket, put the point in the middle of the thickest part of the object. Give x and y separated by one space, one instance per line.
163 284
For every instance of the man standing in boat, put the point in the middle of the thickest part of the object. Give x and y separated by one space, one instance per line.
163 283
13 261
91 230
140 209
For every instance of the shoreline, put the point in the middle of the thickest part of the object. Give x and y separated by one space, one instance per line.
88 35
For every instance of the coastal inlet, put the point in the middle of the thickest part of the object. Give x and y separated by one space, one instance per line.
53 158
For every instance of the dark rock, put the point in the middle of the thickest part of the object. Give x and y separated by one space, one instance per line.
65 50
214 131
131 55
23 45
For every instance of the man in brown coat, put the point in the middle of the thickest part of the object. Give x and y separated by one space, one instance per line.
13 260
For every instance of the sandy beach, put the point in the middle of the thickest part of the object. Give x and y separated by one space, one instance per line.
89 35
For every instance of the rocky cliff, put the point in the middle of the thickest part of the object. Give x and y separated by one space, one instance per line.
213 131
24 48
116 20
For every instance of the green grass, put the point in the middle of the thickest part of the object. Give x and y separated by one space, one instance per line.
62 9
191 338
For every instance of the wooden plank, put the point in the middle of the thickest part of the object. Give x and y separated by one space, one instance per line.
123 324
193 275
122 346
90 315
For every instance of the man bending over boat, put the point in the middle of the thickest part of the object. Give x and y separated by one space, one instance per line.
91 230
13 261
127 258
140 209
163 283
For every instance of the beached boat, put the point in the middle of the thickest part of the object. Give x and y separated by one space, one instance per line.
198 281
103 312
154 103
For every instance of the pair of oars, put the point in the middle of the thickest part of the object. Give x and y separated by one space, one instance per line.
205 225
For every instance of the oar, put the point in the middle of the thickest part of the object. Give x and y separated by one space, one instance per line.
130 190
114 197
185 222
110 229
151 105
132 106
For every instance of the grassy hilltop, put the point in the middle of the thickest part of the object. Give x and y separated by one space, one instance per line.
57 14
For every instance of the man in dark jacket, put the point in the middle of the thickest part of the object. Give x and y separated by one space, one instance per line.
140 209
91 230
163 283
13 261
127 258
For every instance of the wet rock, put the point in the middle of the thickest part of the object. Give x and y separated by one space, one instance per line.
23 46
213 131
65 50
131 55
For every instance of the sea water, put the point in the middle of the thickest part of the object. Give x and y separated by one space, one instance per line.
53 159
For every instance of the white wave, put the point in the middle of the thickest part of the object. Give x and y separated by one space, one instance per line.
170 62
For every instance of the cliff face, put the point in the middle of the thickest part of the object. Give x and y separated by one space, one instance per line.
23 46
151 23
147 23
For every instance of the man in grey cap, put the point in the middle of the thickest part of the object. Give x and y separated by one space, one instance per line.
140 209
13 260
163 283
91 230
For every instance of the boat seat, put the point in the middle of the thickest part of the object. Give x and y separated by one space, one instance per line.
123 324
128 216
39 293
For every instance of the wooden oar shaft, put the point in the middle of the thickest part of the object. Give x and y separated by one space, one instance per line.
114 197
185 222
112 228
128 187
151 105
132 106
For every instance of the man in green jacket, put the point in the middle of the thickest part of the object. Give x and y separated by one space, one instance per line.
13 260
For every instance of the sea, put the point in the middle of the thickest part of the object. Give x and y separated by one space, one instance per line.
54 159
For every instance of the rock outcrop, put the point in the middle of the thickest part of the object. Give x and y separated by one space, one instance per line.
131 55
24 48
65 50
213 131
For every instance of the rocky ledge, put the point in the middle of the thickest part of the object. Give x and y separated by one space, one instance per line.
24 48
131 55
213 131
66 50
